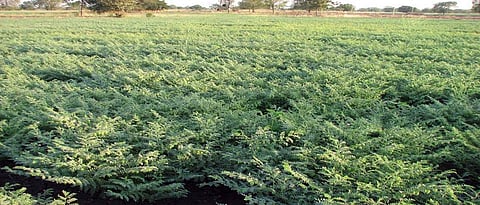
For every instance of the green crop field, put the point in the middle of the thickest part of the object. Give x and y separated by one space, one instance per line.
282 110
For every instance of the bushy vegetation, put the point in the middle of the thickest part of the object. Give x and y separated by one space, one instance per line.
10 194
117 6
282 110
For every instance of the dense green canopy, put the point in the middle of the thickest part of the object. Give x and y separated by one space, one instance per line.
125 5
281 110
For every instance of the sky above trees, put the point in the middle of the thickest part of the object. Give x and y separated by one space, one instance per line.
462 4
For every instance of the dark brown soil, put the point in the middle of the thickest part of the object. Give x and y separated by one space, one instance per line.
196 196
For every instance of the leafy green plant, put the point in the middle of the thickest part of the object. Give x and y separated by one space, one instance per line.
10 195
291 111
65 199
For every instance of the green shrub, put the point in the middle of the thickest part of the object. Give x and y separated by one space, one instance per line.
10 195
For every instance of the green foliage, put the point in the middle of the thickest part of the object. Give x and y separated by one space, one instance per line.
12 196
8 195
252 4
314 5
152 4
407 9
116 6
197 7
345 7
65 199
347 111
476 8
275 4
444 7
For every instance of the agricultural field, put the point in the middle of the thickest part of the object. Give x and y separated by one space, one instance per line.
280 110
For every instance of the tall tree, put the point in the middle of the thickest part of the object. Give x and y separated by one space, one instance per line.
252 4
116 6
275 4
444 7
313 5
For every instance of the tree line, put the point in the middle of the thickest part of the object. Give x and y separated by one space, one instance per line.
309 5
320 5
252 5
95 5
440 7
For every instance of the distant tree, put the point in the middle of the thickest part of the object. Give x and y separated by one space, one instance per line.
47 4
476 8
461 10
406 9
242 5
226 5
214 6
427 10
275 4
117 6
388 9
72 4
313 5
444 7
152 4
345 7
6 4
27 5
370 9
251 4
197 7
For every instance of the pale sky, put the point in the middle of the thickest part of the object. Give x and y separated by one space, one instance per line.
462 4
